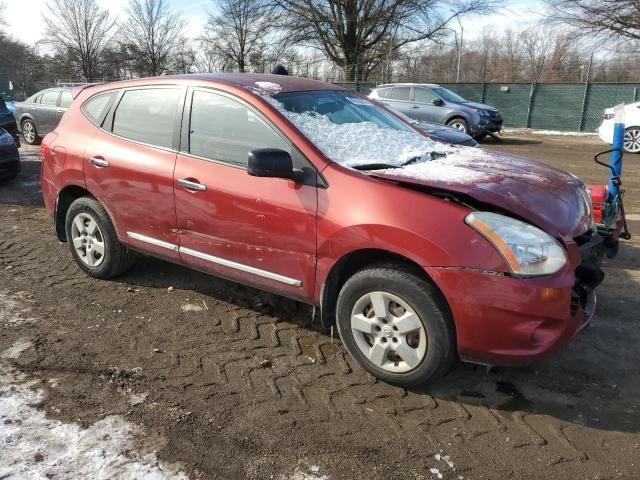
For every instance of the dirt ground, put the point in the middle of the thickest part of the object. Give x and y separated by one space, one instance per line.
241 384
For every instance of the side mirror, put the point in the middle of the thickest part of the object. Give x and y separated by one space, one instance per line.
438 102
271 162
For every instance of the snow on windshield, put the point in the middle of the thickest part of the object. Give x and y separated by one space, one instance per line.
357 144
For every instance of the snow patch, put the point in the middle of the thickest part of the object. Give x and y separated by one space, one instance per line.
268 88
34 446
548 132
13 310
190 307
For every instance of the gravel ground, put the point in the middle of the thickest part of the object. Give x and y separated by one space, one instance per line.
216 380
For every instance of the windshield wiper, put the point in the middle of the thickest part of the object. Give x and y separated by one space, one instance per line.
384 166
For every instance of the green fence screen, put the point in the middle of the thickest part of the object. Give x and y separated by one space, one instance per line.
548 106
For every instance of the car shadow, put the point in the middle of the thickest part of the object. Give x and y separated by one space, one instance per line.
500 140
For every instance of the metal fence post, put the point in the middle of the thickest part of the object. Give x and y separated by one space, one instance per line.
585 100
532 93
483 91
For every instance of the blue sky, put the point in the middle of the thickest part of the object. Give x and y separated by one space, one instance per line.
25 22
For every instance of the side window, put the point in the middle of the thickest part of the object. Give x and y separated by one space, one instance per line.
147 115
382 92
50 98
37 99
400 93
224 129
65 99
96 108
424 96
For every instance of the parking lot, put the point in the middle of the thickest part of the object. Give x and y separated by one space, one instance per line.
225 381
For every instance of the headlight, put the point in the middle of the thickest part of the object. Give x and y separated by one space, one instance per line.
482 113
528 251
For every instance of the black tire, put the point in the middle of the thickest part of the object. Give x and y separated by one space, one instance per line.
459 124
427 303
479 136
117 258
35 140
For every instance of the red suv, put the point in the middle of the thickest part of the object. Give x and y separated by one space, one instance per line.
419 252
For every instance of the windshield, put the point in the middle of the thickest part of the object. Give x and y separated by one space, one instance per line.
448 95
352 131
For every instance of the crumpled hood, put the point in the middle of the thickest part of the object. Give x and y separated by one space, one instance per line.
544 196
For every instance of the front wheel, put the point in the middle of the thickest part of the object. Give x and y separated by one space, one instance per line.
459 124
632 140
93 241
395 324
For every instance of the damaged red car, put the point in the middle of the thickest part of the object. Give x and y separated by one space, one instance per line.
421 253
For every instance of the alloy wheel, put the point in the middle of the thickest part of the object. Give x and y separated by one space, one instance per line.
461 127
88 240
29 132
388 332
632 140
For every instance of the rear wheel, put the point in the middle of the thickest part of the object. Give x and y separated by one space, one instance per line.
395 325
459 124
93 241
29 132
632 140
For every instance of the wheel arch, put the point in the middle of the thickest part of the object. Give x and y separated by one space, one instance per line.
354 261
457 115
65 198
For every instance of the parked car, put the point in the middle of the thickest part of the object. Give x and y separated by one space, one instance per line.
435 104
7 122
419 252
632 127
40 113
442 133
9 156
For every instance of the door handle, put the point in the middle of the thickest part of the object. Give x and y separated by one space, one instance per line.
191 185
99 162
415 106
60 110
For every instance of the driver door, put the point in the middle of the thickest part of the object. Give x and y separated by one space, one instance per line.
424 108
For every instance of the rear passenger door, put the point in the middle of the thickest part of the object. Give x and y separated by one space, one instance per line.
46 116
260 231
399 98
129 164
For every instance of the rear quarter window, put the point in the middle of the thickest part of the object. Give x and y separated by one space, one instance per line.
50 98
96 108
147 116
65 99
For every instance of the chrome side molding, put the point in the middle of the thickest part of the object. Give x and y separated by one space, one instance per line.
217 260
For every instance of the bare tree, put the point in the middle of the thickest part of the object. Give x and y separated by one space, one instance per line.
209 59
80 28
240 29
613 19
356 34
152 34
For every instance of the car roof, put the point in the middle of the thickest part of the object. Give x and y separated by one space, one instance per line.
386 85
243 80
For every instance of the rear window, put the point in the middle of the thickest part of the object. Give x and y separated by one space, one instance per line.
147 116
400 93
66 99
96 108
50 98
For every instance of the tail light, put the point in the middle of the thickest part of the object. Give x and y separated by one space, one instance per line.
608 116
